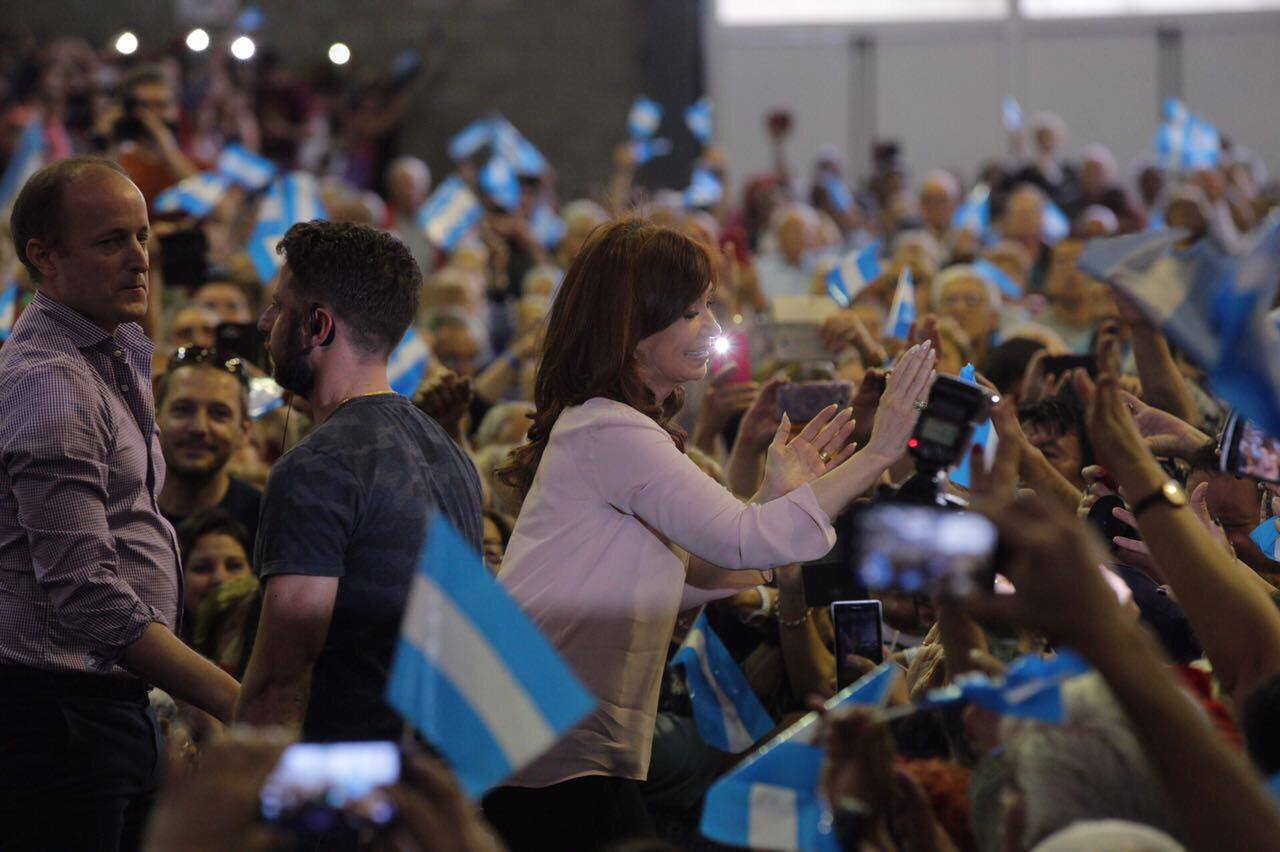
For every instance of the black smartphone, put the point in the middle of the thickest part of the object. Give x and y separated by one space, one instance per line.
923 549
331 790
1056 365
1249 451
1103 518
859 631
241 340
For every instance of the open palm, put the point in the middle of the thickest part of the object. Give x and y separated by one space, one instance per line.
793 461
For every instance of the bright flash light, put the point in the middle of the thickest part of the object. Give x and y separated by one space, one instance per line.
339 53
721 345
243 48
197 40
126 43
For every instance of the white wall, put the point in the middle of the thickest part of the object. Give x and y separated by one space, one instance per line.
938 87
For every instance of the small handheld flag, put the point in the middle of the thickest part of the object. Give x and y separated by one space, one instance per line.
974 213
1055 226
644 117
265 396
644 150
471 139
472 673
499 181
1009 288
704 190
853 273
450 213
547 226
902 313
1267 537
239 165
408 363
728 714
983 436
699 118
197 195
293 198
1031 687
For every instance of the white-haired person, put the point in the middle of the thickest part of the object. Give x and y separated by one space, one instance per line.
1099 187
973 301
408 183
938 196
785 267
1047 168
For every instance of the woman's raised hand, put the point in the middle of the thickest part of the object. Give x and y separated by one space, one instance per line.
905 394
821 445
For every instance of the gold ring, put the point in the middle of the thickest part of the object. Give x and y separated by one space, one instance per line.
825 456
919 405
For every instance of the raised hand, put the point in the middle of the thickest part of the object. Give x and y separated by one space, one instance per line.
906 392
1165 434
761 420
823 444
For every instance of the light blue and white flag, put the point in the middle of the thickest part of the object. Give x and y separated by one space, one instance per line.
1267 537
27 158
450 213
293 198
408 363
643 118
1009 288
700 119
1031 687
853 273
1011 115
1186 142
974 213
8 309
265 396
644 150
197 195
510 144
704 190
472 673
1055 226
984 436
728 714
771 799
500 183
836 190
239 165
547 226
471 139
902 312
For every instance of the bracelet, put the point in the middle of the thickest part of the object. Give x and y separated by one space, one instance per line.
768 605
792 625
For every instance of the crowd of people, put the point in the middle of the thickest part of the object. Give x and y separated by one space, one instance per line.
191 579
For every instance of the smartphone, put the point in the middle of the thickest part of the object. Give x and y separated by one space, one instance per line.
732 347
801 401
241 340
1102 517
331 789
1056 365
859 631
922 549
1249 451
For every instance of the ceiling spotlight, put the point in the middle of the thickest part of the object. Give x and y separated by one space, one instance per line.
339 53
243 48
126 43
197 40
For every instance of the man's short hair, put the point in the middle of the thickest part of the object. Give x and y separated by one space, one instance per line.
39 211
142 76
1061 414
366 276
213 520
162 384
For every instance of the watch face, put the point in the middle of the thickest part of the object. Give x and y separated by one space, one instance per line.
1174 493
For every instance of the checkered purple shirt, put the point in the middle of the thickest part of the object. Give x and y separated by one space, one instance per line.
86 560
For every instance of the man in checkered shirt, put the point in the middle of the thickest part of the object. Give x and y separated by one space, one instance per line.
90 585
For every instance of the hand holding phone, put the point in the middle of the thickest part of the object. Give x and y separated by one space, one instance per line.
859 632
331 789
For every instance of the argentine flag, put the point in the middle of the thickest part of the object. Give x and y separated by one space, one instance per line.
1054 226
8 309
197 195
853 273
1266 537
704 190
547 226
699 118
513 147
293 198
450 213
471 139
239 165
643 118
265 396
902 313
408 363
499 181
27 158
728 714
974 213
644 150
472 673
771 799
1031 688
1186 142
983 436
988 270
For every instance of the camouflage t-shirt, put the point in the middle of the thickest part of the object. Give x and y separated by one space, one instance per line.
352 501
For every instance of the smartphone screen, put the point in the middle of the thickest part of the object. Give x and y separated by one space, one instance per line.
858 628
1056 365
801 401
319 787
918 549
1249 451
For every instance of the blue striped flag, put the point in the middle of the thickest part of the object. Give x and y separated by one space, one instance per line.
771 799
974 213
265 396
1009 288
472 673
1031 688
704 190
408 363
471 139
293 198
547 226
700 119
1186 142
27 158
644 150
8 309
239 165
902 313
450 213
197 195
499 181
1055 226
983 436
728 714
643 118
511 145
1267 537
853 273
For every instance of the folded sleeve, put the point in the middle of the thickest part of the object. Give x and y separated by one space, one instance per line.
637 469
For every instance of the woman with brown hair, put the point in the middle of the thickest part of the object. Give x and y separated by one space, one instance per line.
608 487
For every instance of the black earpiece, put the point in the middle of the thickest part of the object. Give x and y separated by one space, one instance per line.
316 325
